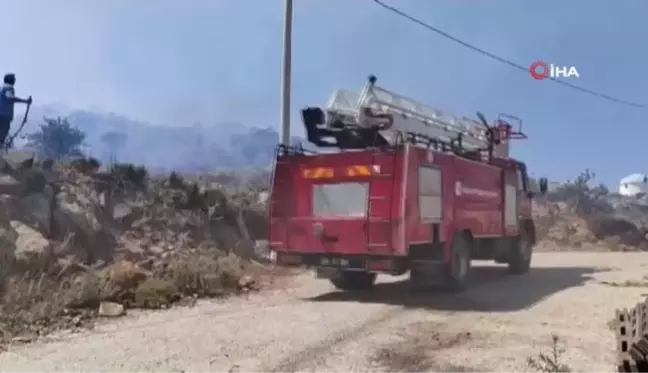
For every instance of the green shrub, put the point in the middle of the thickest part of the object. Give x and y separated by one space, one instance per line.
204 274
86 165
176 181
155 293
131 174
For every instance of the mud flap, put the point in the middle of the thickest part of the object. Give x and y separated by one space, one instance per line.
426 273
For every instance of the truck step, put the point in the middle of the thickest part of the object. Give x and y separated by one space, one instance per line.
425 262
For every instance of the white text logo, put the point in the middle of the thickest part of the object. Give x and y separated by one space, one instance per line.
541 70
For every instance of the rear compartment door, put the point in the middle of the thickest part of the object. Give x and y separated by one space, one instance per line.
348 204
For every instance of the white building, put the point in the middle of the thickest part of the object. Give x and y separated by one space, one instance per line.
633 185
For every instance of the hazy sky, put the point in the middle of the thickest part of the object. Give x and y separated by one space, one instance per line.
176 62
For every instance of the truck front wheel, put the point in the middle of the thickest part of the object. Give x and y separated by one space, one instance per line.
521 253
353 280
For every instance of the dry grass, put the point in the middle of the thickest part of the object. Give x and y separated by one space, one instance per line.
36 305
628 283
550 362
418 350
41 304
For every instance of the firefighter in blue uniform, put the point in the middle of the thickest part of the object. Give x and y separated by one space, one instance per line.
7 100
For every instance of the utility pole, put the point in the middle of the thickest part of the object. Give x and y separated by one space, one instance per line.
286 73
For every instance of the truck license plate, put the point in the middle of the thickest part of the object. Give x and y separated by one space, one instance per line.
334 262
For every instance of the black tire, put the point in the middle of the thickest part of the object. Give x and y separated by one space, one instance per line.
521 254
352 280
457 272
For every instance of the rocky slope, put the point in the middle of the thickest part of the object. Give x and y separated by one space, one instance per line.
79 213
76 239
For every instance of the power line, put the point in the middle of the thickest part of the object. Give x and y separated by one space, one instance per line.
504 60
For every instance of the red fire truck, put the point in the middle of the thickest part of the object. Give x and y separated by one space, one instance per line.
406 188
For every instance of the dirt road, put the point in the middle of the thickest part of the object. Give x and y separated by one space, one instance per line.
494 326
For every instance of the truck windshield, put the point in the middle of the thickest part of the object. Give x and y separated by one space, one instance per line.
340 200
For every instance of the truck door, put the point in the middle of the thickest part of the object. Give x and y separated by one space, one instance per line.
524 199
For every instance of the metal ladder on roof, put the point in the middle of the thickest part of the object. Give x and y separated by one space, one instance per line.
409 115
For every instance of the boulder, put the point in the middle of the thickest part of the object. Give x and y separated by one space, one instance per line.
36 210
121 211
246 282
263 197
8 238
16 161
8 235
34 180
125 214
111 309
32 250
76 218
9 185
76 213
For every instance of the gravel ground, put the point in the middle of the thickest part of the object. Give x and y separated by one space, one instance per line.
307 326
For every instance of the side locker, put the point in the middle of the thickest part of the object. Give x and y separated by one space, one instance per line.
430 195
511 181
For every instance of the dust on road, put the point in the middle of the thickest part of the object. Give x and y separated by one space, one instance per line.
495 326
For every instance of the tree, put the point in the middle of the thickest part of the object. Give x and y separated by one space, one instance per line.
585 198
114 141
56 139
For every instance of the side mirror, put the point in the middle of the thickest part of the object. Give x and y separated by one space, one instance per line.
543 183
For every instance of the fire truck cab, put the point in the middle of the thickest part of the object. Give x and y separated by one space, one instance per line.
407 188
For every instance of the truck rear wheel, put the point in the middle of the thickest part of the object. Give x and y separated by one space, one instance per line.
521 253
353 280
458 270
